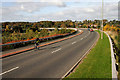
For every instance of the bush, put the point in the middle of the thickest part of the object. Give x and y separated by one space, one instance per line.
62 31
119 40
30 34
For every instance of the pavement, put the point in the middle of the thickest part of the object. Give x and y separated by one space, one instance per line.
51 61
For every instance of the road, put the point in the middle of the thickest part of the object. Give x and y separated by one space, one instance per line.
52 61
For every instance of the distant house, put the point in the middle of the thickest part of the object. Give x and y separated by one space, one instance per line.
80 25
92 26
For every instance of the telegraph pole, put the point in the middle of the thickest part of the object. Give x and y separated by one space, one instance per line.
102 21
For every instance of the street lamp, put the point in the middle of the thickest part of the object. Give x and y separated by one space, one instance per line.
102 21
76 24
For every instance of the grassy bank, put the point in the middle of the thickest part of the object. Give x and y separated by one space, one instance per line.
97 63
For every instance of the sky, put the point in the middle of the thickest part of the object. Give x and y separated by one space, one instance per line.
57 10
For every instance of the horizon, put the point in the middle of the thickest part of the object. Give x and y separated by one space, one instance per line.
61 21
52 21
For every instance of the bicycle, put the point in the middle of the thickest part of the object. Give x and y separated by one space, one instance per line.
36 46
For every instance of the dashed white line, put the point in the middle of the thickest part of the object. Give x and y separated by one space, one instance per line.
89 32
73 42
81 38
56 50
9 71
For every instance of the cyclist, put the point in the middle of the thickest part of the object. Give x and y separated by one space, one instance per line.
37 43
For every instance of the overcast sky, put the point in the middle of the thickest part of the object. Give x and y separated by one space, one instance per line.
39 10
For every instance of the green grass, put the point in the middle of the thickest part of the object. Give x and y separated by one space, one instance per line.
97 63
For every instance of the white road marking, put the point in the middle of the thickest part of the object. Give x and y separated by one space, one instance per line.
9 71
86 36
73 42
81 38
78 60
89 32
56 50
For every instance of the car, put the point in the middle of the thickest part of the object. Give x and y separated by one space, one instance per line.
91 30
88 29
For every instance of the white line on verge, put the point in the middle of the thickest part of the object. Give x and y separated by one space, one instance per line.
73 42
56 50
8 71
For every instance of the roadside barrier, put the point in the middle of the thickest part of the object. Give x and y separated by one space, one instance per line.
41 39
113 58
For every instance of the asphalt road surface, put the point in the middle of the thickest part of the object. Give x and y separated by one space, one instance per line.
52 61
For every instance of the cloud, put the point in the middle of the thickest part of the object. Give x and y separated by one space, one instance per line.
59 0
111 11
15 13
82 13
30 7
59 3
89 10
22 7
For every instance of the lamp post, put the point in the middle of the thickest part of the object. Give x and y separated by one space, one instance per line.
102 21
76 24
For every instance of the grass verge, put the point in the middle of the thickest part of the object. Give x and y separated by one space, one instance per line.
97 64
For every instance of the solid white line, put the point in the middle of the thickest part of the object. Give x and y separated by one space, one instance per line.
56 50
80 59
73 42
9 70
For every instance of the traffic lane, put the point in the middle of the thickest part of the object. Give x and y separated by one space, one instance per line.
42 71
71 56
10 61
22 62
64 63
19 60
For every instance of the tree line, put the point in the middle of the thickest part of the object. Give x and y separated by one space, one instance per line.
22 26
28 30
